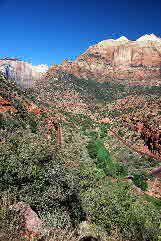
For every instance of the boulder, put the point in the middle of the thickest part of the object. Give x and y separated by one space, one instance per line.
31 224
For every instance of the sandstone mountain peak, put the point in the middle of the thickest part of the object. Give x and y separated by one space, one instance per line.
150 37
122 38
144 38
121 59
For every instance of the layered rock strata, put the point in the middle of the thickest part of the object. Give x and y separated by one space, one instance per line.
120 59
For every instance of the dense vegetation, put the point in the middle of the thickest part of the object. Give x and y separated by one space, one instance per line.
90 91
84 177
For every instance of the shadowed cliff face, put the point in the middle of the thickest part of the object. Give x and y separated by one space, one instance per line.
24 73
118 59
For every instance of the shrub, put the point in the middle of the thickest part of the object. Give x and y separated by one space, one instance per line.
33 170
155 201
103 159
10 222
93 147
112 205
103 132
159 237
93 134
90 174
120 170
139 181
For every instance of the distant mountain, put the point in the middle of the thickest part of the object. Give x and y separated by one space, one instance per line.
119 59
107 71
23 72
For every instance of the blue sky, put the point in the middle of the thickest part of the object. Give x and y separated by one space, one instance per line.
47 32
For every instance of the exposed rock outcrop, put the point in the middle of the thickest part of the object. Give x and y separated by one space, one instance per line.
23 72
31 225
120 59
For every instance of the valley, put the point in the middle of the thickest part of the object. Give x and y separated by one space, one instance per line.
80 144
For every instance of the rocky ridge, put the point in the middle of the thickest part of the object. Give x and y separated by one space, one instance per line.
119 59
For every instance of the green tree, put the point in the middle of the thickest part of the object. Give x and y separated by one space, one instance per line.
139 181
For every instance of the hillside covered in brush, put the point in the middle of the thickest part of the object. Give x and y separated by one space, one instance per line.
70 162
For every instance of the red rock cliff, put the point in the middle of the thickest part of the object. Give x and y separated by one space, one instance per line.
118 59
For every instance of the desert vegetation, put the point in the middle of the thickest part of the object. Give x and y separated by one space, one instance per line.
79 189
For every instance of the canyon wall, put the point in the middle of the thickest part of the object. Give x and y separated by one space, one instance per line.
23 72
120 59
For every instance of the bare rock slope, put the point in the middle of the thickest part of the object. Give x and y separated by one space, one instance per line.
120 59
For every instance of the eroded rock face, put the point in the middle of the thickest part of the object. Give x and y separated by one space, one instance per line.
118 59
23 72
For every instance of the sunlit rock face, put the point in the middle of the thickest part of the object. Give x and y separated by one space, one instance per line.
118 59
23 72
